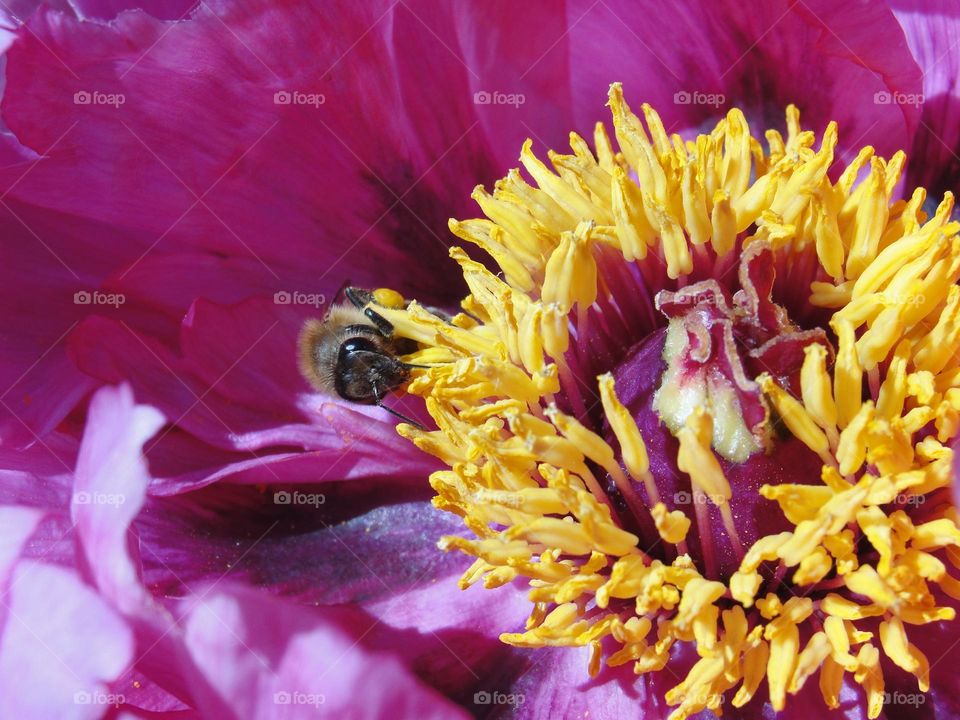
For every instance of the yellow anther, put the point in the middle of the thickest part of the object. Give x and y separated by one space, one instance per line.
852 448
893 637
754 670
784 638
870 676
633 229
815 387
817 650
574 203
697 459
847 374
871 217
571 272
672 526
867 582
632 448
723 222
796 417
813 568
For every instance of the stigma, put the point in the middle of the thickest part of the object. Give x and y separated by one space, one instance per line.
708 399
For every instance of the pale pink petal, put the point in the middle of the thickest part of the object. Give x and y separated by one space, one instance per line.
111 484
261 657
62 646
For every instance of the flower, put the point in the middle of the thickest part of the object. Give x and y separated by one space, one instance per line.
179 190
705 322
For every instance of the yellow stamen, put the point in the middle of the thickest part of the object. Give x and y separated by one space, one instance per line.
530 480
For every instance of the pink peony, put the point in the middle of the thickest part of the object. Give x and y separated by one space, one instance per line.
187 529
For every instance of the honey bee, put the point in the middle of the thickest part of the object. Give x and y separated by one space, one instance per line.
352 353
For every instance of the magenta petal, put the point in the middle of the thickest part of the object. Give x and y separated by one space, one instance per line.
262 657
199 97
554 683
694 61
450 636
932 28
109 9
240 404
62 645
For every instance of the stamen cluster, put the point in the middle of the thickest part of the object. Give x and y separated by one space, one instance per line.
558 500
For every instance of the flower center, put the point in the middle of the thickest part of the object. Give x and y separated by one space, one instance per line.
708 401
709 356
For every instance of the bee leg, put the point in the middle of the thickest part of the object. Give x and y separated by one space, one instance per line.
379 403
384 326
358 296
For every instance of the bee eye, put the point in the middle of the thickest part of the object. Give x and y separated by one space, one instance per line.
357 344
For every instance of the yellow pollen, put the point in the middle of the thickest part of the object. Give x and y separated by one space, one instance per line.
552 470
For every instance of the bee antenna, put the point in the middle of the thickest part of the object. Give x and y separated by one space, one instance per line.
403 417
379 403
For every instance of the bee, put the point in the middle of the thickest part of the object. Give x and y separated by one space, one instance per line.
352 353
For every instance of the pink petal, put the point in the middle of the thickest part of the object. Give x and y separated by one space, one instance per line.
318 176
266 658
234 387
932 28
17 524
109 9
829 58
111 484
61 647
